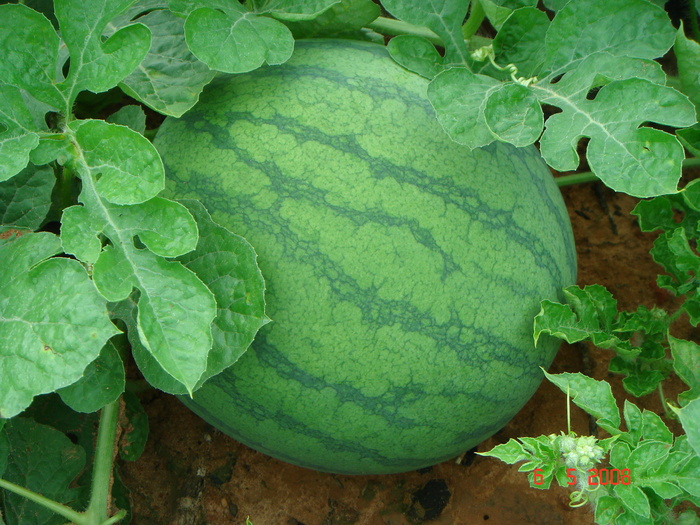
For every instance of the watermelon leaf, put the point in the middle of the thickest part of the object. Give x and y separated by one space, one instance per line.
689 417
292 9
44 460
175 308
686 363
581 29
42 349
230 38
96 65
342 18
19 137
102 382
444 17
688 59
521 40
498 11
459 98
25 199
591 314
126 167
227 264
30 49
595 397
566 70
170 78
416 54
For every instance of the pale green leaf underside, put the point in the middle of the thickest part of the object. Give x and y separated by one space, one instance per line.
595 397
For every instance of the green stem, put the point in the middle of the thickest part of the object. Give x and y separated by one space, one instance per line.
54 506
100 494
587 176
692 162
576 178
390 26
473 23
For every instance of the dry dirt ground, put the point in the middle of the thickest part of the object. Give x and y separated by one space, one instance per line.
191 474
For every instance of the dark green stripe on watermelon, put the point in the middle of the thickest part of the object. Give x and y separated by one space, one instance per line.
403 270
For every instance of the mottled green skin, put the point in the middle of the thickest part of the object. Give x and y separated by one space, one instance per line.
403 270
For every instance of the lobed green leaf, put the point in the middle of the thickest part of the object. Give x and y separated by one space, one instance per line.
43 460
581 29
30 51
175 309
686 363
640 161
292 9
131 116
25 199
521 40
96 65
510 452
689 416
170 78
687 54
341 18
226 263
498 11
595 397
459 98
19 137
513 114
102 383
443 17
234 40
416 54
125 165
44 348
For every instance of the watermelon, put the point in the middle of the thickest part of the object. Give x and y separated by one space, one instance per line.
403 270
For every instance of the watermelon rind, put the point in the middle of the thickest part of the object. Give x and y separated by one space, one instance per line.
403 270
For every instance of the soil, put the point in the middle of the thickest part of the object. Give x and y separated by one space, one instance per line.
192 474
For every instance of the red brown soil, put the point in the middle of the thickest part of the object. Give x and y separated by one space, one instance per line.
192 474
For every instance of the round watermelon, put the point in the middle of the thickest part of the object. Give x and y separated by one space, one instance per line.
403 270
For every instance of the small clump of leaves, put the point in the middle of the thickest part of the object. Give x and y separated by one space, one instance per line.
643 472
